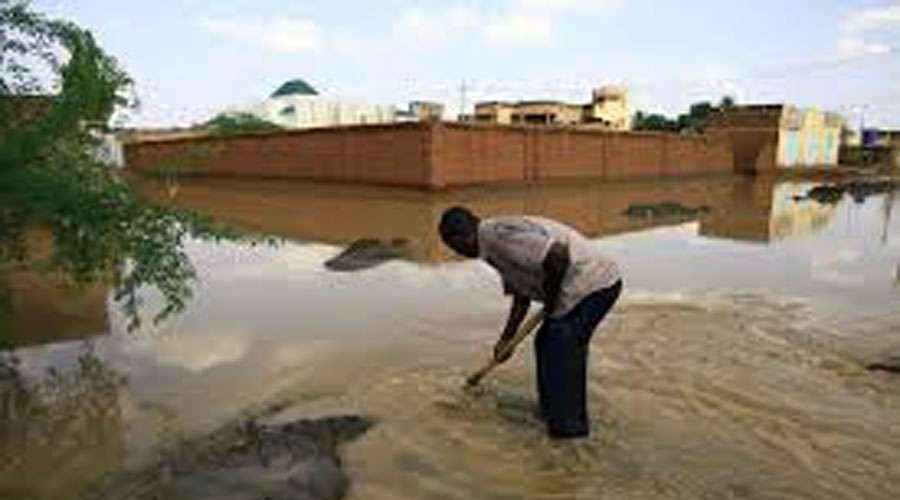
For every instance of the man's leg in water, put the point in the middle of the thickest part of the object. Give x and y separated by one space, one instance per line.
561 348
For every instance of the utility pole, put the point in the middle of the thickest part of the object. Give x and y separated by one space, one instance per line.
862 119
463 89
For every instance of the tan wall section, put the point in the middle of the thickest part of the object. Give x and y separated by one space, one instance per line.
436 155
469 155
378 154
479 154
754 149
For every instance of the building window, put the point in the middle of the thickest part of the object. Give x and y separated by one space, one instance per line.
288 111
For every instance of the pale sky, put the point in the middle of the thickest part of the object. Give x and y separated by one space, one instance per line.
191 58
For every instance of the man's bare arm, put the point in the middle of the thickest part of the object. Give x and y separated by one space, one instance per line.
517 311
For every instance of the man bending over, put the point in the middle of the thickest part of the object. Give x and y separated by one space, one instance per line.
543 260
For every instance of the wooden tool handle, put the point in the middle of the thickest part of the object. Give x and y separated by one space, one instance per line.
524 331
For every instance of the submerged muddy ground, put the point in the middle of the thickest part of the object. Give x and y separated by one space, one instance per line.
332 364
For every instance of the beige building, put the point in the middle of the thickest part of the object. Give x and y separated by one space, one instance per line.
609 106
529 113
421 111
801 137
493 112
809 137
608 110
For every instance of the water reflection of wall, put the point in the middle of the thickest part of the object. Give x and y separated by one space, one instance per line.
40 306
340 214
764 210
45 309
791 217
746 213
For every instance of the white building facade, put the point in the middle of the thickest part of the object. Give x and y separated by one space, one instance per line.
296 105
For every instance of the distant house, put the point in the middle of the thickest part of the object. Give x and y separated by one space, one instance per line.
535 112
887 141
421 111
779 135
608 109
880 138
296 105
871 147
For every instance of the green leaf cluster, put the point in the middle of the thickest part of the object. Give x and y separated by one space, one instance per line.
227 124
58 91
694 121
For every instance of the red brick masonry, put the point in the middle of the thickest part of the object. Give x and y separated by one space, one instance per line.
437 155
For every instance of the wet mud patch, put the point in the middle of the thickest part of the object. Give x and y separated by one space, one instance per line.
368 253
723 396
718 396
829 194
441 439
889 363
665 210
294 460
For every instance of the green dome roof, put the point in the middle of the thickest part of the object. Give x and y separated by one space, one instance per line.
295 87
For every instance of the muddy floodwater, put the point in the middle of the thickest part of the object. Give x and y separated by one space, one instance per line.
733 367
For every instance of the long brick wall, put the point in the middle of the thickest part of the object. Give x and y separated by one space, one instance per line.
477 154
374 154
438 155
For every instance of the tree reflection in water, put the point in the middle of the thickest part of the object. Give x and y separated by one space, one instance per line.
60 429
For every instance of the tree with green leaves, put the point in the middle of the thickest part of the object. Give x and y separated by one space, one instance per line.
225 124
653 122
693 122
50 175
696 119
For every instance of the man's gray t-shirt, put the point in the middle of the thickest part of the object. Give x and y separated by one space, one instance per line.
517 245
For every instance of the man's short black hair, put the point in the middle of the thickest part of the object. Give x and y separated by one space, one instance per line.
457 222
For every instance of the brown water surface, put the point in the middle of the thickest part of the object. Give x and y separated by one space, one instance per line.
732 367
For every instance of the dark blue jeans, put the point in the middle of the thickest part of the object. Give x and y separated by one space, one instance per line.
561 347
